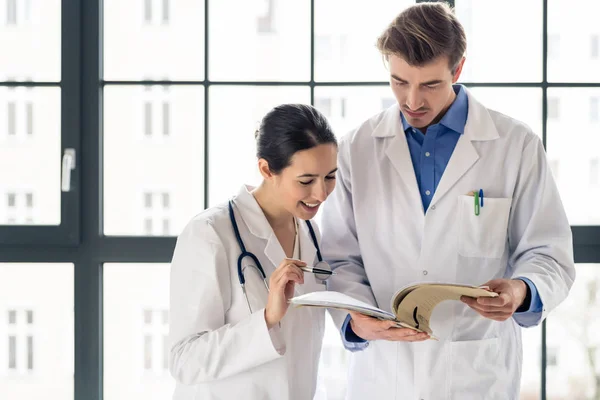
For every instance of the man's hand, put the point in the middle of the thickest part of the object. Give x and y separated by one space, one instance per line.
511 292
370 328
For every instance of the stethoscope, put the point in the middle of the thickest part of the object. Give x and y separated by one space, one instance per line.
322 265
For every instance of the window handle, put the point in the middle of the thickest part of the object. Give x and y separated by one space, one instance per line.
68 164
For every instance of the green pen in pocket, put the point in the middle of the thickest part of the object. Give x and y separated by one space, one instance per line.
476 198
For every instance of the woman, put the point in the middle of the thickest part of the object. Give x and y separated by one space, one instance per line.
234 343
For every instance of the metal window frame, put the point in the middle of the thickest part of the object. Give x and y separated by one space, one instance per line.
88 249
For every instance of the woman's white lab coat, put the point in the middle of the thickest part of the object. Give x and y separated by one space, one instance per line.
219 350
374 228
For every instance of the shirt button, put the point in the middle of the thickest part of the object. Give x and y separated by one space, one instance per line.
427 154
425 272
433 207
427 192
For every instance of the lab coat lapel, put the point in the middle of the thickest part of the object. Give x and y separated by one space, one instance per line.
259 226
398 153
479 127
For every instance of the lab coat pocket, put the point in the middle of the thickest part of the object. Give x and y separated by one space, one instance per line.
476 370
483 235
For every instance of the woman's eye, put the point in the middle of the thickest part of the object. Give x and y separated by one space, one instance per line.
330 177
306 183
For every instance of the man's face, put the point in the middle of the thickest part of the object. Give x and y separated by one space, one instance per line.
423 93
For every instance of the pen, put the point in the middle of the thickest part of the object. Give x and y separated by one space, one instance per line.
476 197
481 196
317 270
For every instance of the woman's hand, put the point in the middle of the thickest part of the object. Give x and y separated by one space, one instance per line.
281 289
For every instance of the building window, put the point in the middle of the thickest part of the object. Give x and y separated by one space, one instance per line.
11 12
595 50
595 171
166 118
148 119
595 109
21 350
29 118
157 209
553 108
148 11
343 107
265 22
12 118
162 14
148 226
165 11
551 356
11 200
156 344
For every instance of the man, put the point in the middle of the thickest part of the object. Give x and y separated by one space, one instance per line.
404 212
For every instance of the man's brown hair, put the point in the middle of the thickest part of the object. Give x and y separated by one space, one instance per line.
424 32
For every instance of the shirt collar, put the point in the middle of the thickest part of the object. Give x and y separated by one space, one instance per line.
456 116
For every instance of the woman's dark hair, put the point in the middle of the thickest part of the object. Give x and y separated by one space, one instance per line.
290 128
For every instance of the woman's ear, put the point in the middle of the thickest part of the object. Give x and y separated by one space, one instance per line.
263 167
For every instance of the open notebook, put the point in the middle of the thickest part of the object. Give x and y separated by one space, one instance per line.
411 306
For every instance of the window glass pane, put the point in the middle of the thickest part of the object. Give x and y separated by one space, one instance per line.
574 143
31 40
576 27
155 39
523 104
232 139
490 44
138 165
574 334
134 332
263 40
345 38
21 178
37 345
346 107
531 378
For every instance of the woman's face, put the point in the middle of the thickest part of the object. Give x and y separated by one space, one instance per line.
307 181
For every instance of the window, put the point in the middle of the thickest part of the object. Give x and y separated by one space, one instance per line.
162 15
266 19
11 12
165 11
553 108
157 111
595 171
156 344
147 10
12 118
595 47
594 109
148 119
166 118
20 341
29 118
148 200
11 200
29 200
552 356
157 213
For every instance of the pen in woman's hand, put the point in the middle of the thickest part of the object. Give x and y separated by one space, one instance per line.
317 271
